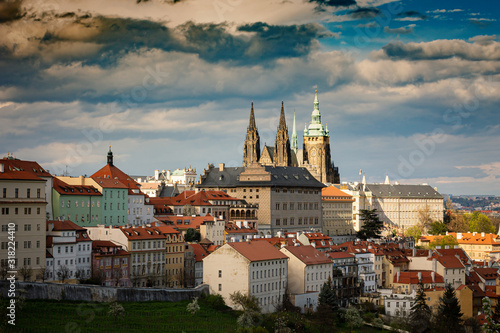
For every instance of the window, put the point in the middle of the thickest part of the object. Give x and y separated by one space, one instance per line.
16 193
4 192
27 227
5 210
220 287
220 273
38 193
38 210
28 193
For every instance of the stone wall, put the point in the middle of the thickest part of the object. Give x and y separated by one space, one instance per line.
92 293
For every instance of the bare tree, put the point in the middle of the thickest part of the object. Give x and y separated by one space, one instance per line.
188 210
42 273
26 272
63 273
424 218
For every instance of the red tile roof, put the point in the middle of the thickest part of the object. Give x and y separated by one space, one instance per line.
186 222
448 261
19 167
339 255
331 193
66 189
64 226
232 228
487 273
308 255
257 251
411 277
199 252
112 172
148 232
478 238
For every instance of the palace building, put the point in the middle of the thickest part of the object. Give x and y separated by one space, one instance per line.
315 155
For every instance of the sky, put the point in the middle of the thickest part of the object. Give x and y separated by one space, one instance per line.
408 88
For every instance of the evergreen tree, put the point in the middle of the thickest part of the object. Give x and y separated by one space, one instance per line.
420 315
372 226
449 314
328 296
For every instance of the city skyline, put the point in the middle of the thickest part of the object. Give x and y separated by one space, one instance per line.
409 89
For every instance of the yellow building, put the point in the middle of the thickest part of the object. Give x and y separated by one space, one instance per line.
478 245
337 212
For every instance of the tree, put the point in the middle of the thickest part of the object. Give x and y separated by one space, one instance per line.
188 210
424 218
372 226
80 275
443 241
496 313
42 273
353 318
420 315
438 228
491 326
479 222
328 297
26 272
116 311
449 313
250 306
414 232
63 273
457 222
193 307
192 235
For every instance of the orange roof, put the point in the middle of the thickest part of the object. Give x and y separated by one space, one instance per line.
64 226
112 172
109 183
186 222
148 232
279 241
232 228
339 255
14 166
199 252
478 238
331 193
411 277
308 255
64 188
258 251
448 261
104 243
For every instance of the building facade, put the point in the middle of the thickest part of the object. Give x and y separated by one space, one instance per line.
337 213
288 198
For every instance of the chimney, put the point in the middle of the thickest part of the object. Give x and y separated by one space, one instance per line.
482 234
1 168
245 223
414 252
238 224
168 174
474 233
433 276
221 166
82 180
419 276
459 235
157 174
397 277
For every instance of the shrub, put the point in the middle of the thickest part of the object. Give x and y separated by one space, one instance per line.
216 302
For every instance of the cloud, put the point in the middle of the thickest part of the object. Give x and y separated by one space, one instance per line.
333 3
411 15
436 11
441 49
482 22
364 13
483 39
10 10
400 31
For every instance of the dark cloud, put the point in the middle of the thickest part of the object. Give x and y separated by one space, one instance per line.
481 22
10 10
400 31
413 13
365 13
442 49
334 3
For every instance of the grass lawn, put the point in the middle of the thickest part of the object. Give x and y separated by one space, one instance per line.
75 317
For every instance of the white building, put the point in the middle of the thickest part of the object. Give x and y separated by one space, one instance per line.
71 250
366 271
308 270
399 305
140 211
199 254
255 268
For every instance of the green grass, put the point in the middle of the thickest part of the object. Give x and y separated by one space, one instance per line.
75 317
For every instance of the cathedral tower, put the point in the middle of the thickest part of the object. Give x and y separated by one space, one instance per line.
251 150
282 155
317 148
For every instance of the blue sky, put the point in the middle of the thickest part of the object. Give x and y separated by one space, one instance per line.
408 88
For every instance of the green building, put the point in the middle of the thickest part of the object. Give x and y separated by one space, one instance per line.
81 204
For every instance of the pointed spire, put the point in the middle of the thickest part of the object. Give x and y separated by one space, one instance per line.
316 128
282 124
251 124
295 141
316 100
387 182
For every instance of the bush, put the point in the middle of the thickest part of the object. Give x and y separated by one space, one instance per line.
368 317
215 301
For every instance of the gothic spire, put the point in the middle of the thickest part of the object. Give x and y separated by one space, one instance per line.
282 124
251 149
251 124
295 142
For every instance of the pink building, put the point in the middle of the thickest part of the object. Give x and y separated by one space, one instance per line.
111 262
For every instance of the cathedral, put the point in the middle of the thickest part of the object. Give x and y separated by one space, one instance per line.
314 156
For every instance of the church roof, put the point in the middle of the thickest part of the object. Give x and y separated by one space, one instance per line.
280 176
